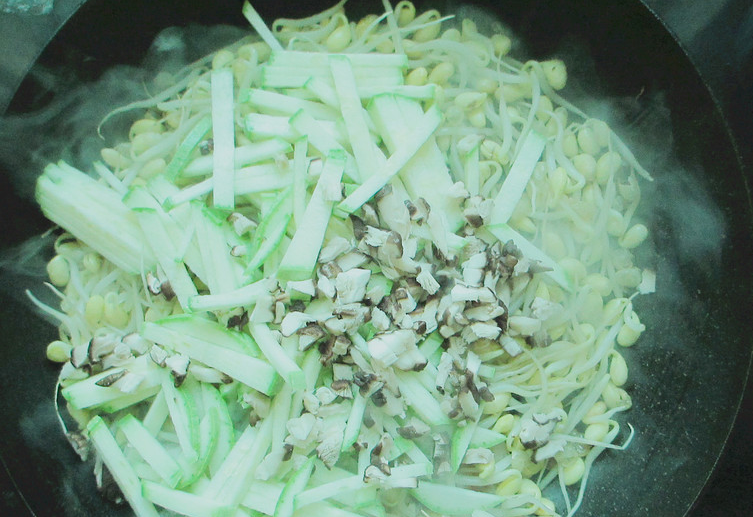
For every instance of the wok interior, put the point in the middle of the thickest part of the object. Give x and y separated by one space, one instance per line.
688 370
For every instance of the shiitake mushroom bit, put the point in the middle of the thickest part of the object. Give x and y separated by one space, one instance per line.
346 259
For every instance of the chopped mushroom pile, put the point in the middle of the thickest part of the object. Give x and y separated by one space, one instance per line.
375 267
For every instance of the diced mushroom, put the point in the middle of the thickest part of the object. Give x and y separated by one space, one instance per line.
334 247
329 448
157 354
137 344
544 309
411 360
309 335
120 355
351 285
294 321
480 330
342 372
368 383
241 223
386 348
263 310
342 388
375 237
536 428
311 403
414 428
426 280
484 312
350 260
511 346
547 451
300 428
178 364
379 319
443 371
463 293
129 382
330 270
341 345
100 346
441 455
153 283
523 325
306 287
239 251
326 287
325 395
479 456
373 475
467 401
110 379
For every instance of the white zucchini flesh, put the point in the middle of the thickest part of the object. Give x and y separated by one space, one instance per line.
185 503
95 214
450 500
353 115
518 177
87 393
300 169
295 485
234 475
185 419
242 367
262 496
265 177
212 398
306 125
150 449
249 154
271 230
223 135
245 296
426 174
156 415
297 58
323 90
422 131
198 327
329 490
355 419
121 470
259 125
274 103
222 269
152 224
300 258
421 400
461 440
230 484
277 356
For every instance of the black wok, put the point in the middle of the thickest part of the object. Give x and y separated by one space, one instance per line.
689 370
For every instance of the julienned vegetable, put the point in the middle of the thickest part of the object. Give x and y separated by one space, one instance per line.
356 268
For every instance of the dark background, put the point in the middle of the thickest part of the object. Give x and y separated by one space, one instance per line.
718 36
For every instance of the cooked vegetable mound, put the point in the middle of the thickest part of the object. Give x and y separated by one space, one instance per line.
371 267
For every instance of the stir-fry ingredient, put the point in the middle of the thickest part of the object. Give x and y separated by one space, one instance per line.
373 267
